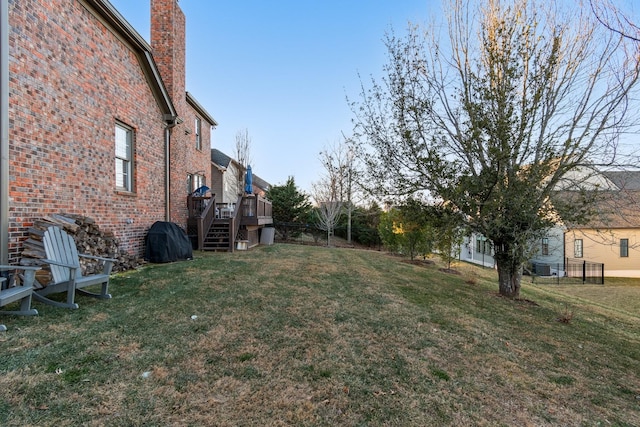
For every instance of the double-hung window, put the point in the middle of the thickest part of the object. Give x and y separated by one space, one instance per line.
624 247
545 246
577 248
195 181
124 157
198 126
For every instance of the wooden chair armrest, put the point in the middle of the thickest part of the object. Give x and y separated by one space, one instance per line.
29 276
19 267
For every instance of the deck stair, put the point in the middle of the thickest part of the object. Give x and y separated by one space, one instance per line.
218 237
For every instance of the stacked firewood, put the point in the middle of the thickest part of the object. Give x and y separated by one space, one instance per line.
90 240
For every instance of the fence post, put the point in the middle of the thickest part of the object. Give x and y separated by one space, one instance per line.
602 275
584 272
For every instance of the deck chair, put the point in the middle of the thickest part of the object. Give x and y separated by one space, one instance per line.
22 292
64 261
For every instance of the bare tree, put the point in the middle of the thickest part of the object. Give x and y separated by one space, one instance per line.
243 154
328 205
615 19
339 163
493 117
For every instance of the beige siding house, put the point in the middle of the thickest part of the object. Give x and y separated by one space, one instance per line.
614 237
225 172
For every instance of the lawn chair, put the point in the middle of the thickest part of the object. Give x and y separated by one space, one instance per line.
64 261
22 292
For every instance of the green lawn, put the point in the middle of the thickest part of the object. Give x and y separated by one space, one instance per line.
308 336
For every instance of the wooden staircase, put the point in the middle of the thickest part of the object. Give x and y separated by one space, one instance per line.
218 238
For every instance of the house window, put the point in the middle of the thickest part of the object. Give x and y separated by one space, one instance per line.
194 181
577 248
483 246
545 246
124 157
198 127
624 247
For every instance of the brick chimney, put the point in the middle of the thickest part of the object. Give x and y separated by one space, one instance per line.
168 44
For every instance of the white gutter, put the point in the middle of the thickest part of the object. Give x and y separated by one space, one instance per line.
4 132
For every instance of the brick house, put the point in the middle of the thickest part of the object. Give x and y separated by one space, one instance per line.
98 122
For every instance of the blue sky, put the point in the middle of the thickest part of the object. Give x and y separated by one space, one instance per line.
282 69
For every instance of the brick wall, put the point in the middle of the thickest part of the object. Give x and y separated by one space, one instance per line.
71 78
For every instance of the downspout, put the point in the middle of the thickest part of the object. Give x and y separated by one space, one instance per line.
167 173
4 132
170 122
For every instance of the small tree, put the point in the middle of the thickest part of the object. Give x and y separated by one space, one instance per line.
326 193
416 229
327 215
406 229
340 167
388 230
448 232
288 204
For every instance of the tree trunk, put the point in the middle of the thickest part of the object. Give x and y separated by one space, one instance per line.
509 277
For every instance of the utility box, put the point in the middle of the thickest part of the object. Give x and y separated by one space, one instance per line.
267 236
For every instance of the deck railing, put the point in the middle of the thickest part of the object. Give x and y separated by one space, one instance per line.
203 211
256 206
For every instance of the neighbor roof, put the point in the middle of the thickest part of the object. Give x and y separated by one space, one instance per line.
624 180
219 158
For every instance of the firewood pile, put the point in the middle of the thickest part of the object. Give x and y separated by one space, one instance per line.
90 240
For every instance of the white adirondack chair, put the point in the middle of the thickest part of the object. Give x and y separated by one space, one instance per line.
64 261
22 292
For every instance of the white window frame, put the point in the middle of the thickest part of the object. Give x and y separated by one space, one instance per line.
545 246
198 127
123 147
195 181
578 248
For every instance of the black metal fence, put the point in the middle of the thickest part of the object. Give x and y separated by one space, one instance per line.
571 271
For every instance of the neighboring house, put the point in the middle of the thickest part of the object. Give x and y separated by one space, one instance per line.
260 186
99 121
611 238
227 177
477 250
548 255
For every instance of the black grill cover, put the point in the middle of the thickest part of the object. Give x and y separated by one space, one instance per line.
167 242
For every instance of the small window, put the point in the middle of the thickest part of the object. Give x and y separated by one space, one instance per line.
198 127
195 181
483 246
624 247
577 248
124 157
545 246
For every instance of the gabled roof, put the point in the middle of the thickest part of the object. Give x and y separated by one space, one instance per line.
219 158
200 109
614 209
261 183
142 49
222 161
624 180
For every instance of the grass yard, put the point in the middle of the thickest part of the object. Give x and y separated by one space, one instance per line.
291 335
